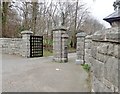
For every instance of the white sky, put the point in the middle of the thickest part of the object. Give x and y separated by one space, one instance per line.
100 9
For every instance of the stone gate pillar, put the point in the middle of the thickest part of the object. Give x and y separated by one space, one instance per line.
64 48
80 48
60 44
88 46
25 50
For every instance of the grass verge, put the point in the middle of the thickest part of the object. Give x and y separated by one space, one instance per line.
47 53
86 67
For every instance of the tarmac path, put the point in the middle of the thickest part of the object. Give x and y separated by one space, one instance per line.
42 75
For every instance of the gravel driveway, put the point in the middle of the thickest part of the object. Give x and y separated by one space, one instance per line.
42 75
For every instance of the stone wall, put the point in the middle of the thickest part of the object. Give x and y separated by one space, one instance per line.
105 60
17 46
11 45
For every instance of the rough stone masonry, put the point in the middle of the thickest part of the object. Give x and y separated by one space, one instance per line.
105 60
105 55
102 54
17 46
60 48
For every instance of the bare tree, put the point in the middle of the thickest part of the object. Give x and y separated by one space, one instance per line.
10 20
91 25
0 20
41 17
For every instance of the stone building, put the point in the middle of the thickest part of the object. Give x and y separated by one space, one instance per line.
114 18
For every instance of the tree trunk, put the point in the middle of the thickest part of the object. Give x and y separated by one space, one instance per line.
4 19
34 16
26 26
75 31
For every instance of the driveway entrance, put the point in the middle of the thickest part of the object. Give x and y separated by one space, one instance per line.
42 75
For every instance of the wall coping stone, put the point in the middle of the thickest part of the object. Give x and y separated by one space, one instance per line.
9 38
88 37
26 32
63 28
65 36
81 34
108 35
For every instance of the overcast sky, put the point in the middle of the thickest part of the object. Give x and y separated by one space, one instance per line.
101 8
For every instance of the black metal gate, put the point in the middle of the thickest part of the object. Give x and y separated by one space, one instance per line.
36 46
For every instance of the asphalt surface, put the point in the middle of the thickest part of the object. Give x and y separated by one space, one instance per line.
42 75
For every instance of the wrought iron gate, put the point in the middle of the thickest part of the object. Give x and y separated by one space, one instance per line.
36 46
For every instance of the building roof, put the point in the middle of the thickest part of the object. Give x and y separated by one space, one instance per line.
113 17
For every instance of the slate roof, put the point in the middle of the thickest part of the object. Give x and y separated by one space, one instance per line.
113 17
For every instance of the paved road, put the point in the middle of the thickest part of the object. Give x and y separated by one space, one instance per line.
42 75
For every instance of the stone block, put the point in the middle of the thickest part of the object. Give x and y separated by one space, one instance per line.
87 59
81 34
88 51
80 43
80 57
117 51
80 39
111 70
88 37
110 49
101 57
113 36
103 48
80 52
98 69
99 86
109 85
98 36
79 61
92 61
88 46
94 51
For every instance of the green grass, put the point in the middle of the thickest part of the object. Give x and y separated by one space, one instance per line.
47 53
71 50
86 67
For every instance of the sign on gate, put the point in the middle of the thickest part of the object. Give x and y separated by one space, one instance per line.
36 46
